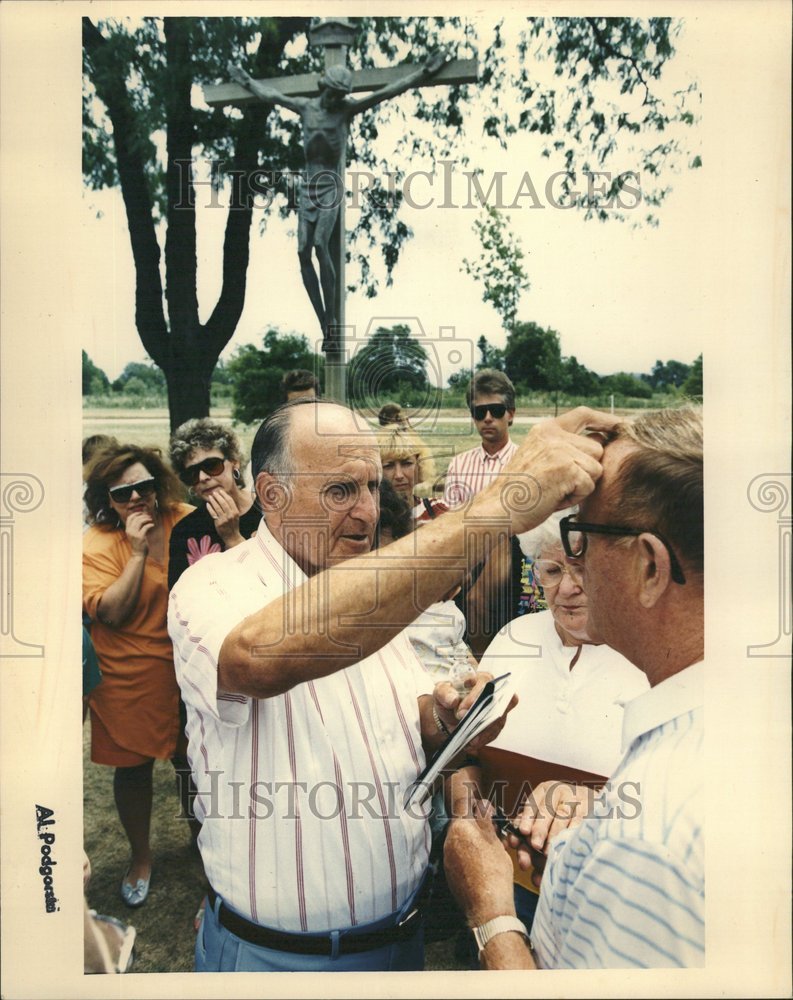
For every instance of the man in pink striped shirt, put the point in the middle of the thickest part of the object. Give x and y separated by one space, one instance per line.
308 715
491 400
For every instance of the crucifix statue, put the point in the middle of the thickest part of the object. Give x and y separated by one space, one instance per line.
326 110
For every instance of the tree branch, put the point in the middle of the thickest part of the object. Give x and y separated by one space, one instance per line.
613 51
109 78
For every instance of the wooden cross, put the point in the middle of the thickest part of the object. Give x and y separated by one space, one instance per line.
335 36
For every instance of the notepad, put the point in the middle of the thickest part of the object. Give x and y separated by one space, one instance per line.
489 706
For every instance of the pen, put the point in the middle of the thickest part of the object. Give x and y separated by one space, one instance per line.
504 826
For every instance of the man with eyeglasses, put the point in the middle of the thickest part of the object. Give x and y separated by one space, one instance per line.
622 888
491 401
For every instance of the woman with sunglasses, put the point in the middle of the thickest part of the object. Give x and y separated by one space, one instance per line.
206 456
133 503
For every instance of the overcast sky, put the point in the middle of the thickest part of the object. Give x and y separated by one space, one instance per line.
620 297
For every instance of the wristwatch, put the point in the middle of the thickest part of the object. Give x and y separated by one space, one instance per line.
498 925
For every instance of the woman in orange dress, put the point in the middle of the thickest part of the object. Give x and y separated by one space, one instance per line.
133 502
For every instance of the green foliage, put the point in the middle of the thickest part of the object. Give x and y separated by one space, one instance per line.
137 112
627 385
256 374
139 378
533 358
693 383
580 381
499 266
489 357
95 382
390 365
666 375
459 381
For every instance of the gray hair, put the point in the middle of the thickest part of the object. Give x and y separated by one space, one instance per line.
659 485
201 432
533 542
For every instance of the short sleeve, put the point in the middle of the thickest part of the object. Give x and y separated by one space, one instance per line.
103 563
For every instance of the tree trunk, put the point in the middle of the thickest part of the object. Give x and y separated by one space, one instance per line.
186 351
188 378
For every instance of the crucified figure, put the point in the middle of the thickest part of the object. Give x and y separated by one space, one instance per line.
325 121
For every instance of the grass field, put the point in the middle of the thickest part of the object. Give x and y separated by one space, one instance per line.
445 432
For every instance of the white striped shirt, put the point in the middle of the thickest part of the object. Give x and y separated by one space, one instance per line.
626 888
470 471
300 794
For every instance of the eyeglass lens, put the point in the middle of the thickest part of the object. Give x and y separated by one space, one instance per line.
497 411
549 573
210 467
123 494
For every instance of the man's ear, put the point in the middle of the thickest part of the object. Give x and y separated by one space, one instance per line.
655 569
273 495
511 415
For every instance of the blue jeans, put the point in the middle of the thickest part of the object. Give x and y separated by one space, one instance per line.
218 950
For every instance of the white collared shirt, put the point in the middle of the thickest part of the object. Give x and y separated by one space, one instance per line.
300 794
626 888
569 717
470 471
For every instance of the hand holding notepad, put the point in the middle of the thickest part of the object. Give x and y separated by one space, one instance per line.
493 701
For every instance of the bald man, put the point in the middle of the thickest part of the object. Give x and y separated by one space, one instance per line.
308 714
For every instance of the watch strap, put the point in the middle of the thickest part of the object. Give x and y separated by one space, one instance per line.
498 925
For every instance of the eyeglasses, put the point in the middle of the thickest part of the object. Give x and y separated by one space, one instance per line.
497 411
210 467
123 494
548 573
574 540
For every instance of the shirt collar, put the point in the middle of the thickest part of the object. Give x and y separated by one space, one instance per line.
675 696
496 456
286 568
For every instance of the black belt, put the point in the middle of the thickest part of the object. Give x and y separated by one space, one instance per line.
314 944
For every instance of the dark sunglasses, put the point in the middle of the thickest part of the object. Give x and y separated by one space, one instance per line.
123 494
497 411
210 467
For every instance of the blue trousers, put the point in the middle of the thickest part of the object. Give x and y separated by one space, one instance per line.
218 950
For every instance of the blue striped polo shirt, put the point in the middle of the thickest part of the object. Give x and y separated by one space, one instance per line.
626 888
